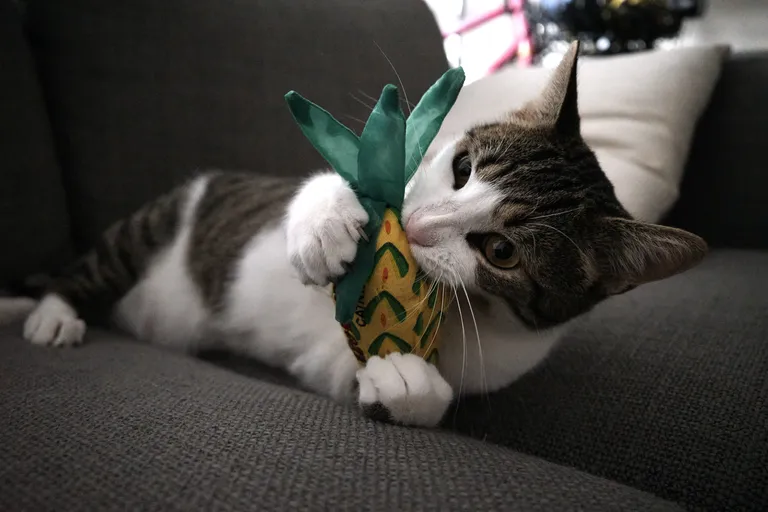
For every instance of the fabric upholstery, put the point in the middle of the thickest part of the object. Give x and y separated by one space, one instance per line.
120 426
34 231
725 190
664 389
143 93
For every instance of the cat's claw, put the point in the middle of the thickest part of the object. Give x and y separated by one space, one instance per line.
404 389
54 323
325 221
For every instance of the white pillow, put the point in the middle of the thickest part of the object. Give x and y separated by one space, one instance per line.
638 114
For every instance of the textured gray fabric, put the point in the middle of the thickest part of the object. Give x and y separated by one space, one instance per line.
117 425
34 231
725 188
142 93
664 389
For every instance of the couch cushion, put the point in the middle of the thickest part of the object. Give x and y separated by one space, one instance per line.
143 93
121 426
725 188
34 231
664 388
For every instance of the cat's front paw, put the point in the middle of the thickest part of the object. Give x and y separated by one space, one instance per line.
54 322
324 223
404 389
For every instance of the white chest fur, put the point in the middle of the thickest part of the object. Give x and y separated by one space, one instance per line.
504 352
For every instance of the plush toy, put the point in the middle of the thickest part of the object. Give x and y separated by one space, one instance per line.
384 303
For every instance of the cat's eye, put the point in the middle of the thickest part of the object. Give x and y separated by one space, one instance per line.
462 170
500 252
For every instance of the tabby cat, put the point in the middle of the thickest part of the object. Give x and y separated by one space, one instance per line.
515 217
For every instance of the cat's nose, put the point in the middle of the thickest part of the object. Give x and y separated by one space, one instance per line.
418 233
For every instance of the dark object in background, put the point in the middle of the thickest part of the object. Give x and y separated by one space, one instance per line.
607 26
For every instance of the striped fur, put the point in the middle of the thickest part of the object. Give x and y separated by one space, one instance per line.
103 275
233 209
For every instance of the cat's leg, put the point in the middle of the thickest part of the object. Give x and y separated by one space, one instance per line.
324 223
94 283
323 228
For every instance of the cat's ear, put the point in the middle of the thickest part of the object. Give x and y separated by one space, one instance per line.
639 252
558 104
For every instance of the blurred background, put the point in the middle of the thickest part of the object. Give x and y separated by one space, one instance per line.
485 35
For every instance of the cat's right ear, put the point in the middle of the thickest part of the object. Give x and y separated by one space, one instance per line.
557 106
637 252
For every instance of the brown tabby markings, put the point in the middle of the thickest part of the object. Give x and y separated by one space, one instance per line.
577 244
233 209
99 278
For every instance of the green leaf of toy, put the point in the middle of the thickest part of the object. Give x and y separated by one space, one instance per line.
381 160
335 142
350 287
425 120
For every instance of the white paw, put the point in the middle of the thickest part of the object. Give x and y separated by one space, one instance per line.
325 221
54 322
408 389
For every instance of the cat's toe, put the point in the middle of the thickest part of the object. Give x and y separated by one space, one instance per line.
54 323
404 389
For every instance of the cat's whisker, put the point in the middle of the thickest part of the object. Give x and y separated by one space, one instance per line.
463 339
464 354
355 119
440 324
434 284
483 378
536 206
417 307
555 214
402 86
432 313
533 236
368 96
566 236
409 313
369 107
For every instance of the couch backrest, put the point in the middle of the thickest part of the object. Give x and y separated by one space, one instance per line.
34 230
724 196
143 93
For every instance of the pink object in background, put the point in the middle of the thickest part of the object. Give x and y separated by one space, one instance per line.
519 48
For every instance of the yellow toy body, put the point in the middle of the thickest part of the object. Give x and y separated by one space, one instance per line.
399 310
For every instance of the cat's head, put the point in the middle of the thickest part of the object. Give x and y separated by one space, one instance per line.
521 210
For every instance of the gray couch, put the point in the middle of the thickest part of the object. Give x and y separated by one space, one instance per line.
658 400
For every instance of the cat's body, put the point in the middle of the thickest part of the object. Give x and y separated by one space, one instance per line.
516 218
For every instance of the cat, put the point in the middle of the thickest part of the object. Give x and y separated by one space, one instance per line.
515 217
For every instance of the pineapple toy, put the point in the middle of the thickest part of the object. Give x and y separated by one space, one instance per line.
384 303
